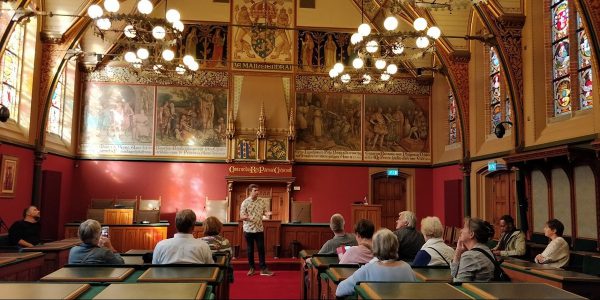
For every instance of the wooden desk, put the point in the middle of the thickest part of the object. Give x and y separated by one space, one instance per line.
25 266
433 274
154 291
139 251
133 259
579 283
41 290
507 290
526 265
6 260
320 265
335 275
131 236
408 290
181 274
89 274
56 254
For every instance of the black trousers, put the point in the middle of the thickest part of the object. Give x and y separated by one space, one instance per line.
259 237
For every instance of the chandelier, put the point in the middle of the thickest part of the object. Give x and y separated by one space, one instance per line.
148 43
379 55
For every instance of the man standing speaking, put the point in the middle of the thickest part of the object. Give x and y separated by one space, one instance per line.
252 212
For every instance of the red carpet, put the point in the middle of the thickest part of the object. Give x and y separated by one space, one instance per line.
283 285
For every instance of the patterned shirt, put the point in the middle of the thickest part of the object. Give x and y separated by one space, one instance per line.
217 243
254 209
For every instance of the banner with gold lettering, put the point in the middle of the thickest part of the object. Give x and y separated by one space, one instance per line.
256 170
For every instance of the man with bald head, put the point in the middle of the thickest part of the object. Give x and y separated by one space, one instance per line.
340 238
26 233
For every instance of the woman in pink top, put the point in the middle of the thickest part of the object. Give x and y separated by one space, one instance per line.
363 253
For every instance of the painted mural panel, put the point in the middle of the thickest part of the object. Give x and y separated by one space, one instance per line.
191 121
207 43
396 129
276 149
318 51
117 119
328 126
256 45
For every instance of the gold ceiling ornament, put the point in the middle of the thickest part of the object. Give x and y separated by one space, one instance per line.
147 43
396 5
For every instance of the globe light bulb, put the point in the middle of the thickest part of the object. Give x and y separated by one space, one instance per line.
372 46
366 79
390 23
180 69
333 73
358 63
397 48
95 11
142 53
103 23
188 59
130 57
356 38
172 15
168 54
345 78
380 64
129 31
391 69
158 32
112 5
422 42
364 29
385 76
338 67
434 32
178 25
145 6
194 67
158 68
420 24
137 63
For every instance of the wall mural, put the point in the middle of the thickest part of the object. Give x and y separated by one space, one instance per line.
191 121
318 51
254 47
208 43
396 128
328 126
117 119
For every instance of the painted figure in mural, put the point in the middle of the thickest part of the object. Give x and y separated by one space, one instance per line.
561 59
308 47
191 41
127 117
563 97
301 121
173 120
282 45
242 46
164 115
117 119
380 129
398 119
218 44
390 138
207 107
141 126
586 88
330 51
184 131
317 121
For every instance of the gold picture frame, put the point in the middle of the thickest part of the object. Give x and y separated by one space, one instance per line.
8 176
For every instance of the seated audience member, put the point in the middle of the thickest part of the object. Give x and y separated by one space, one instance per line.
183 248
216 242
94 249
26 233
363 253
409 239
469 263
512 240
556 253
341 238
434 252
385 267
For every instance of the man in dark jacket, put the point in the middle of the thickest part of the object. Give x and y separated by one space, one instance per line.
26 233
410 240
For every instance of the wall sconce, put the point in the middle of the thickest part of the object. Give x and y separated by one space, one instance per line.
499 130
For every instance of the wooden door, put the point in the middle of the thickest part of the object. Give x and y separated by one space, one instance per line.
390 192
502 197
277 192
50 205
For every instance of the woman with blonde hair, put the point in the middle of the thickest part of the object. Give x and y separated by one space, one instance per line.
434 252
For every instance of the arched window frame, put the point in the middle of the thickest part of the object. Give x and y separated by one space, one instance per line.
497 99
453 132
11 67
59 127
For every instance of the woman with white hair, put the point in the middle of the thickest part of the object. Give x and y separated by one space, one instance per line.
94 249
384 267
434 252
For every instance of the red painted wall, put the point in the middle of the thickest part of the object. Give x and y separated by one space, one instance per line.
332 189
440 175
424 200
66 167
12 207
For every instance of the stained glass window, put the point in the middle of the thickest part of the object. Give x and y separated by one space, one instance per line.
56 107
570 91
10 71
499 110
452 117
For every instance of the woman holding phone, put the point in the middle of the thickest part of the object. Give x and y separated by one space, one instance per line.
95 248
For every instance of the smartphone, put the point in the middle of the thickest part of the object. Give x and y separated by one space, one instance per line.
104 231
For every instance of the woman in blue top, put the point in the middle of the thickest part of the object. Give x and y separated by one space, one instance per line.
384 267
